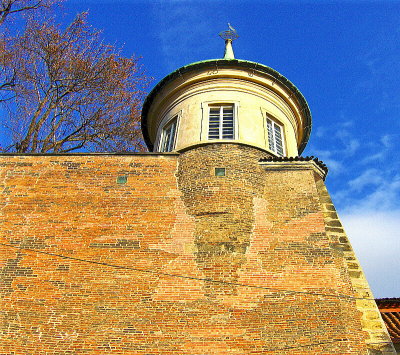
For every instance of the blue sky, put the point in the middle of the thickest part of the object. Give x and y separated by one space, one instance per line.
344 56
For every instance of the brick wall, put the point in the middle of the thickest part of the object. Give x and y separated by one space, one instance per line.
154 254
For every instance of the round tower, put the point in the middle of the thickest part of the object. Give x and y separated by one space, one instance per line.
273 257
226 101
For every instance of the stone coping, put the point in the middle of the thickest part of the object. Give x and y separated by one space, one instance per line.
295 163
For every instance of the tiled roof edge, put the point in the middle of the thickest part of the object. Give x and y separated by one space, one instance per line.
320 163
389 299
388 303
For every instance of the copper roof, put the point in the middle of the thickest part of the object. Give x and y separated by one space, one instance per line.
390 312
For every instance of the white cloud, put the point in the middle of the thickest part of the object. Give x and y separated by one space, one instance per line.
320 132
384 198
387 140
368 177
381 148
372 224
380 156
350 144
335 166
375 237
347 123
344 144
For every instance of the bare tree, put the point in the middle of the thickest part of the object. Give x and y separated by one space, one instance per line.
72 91
10 7
7 74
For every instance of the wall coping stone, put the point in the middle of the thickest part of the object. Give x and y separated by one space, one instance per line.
294 165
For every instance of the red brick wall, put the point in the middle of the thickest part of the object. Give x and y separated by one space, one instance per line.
174 261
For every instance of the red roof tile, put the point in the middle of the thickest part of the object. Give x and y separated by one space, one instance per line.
390 311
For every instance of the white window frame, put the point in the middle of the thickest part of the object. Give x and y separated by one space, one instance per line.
169 146
276 137
205 120
223 120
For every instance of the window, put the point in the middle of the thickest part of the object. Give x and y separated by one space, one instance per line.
220 172
168 136
221 122
122 179
275 137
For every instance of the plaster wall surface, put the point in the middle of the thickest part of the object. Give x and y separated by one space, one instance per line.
154 254
255 96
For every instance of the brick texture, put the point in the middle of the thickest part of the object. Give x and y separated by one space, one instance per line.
154 254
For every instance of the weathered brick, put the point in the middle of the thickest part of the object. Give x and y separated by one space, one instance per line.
172 260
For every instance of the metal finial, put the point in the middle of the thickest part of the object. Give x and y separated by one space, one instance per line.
230 34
